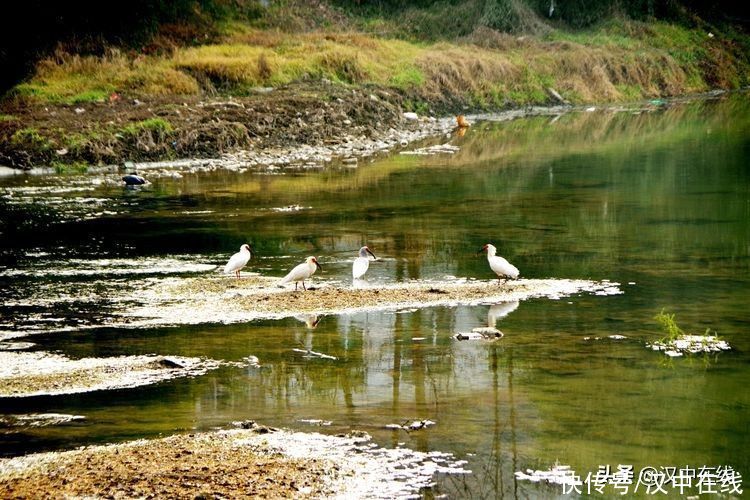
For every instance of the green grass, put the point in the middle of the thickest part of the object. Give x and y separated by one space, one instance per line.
408 77
94 95
157 126
77 167
30 138
669 325
615 60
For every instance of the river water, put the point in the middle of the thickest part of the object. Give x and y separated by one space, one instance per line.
654 198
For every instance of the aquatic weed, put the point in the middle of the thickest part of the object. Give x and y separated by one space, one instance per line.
669 325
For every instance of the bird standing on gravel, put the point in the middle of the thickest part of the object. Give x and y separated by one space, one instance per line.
239 260
502 267
362 263
302 272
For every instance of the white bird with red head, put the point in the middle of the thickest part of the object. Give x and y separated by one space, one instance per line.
499 265
302 272
239 260
362 263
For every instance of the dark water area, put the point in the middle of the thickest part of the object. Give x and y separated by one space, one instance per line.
657 201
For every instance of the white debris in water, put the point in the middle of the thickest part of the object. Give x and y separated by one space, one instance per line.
252 361
559 474
690 344
617 337
312 354
407 311
15 346
117 267
289 208
433 150
367 470
480 333
24 374
414 425
39 419
316 421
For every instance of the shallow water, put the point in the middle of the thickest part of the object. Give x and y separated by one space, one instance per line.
657 200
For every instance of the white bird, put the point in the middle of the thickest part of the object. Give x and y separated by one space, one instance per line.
301 272
362 263
502 267
239 260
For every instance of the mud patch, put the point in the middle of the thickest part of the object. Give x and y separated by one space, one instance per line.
24 374
246 463
211 300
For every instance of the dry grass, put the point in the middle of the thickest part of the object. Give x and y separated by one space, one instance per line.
486 69
254 59
71 78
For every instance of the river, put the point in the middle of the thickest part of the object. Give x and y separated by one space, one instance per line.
653 198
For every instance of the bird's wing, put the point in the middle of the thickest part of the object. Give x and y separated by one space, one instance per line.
503 268
360 266
295 274
236 261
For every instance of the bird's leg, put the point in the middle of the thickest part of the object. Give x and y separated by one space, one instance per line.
303 285
295 286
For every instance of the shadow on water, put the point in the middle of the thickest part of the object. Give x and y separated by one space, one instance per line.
656 200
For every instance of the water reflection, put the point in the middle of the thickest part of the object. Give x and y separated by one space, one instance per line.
658 199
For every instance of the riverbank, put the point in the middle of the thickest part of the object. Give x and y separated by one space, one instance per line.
259 86
249 461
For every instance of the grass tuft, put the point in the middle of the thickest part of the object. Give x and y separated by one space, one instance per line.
669 325
158 126
30 138
77 167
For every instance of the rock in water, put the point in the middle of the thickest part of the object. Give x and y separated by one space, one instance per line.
133 179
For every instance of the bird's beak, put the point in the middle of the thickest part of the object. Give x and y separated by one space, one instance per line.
318 265
373 255
481 249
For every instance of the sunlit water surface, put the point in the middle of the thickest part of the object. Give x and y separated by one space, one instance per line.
658 201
